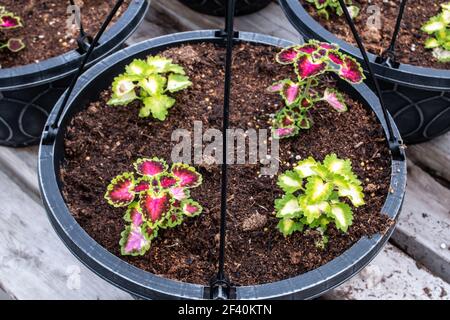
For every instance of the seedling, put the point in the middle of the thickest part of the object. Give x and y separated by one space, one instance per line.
317 194
149 81
325 6
157 198
438 28
310 60
9 21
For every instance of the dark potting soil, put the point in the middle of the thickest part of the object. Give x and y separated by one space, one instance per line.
410 47
45 31
102 142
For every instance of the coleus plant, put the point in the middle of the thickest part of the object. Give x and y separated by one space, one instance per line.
156 198
8 21
317 194
149 81
438 28
323 7
309 61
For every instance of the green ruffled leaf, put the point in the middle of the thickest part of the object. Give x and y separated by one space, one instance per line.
314 211
153 84
304 168
318 190
351 191
139 68
290 182
435 24
159 63
158 106
178 82
342 214
289 226
287 207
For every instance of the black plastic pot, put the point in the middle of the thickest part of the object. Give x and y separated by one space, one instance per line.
218 7
417 97
28 93
147 285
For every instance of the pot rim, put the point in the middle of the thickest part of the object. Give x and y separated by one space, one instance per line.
406 74
58 67
144 284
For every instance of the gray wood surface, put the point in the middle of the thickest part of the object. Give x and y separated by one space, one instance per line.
34 263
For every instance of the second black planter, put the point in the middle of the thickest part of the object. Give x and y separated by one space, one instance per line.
418 98
28 93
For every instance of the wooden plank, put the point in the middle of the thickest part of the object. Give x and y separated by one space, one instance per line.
270 20
155 24
433 155
424 224
30 249
392 275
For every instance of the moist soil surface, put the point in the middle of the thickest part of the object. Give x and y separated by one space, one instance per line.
45 31
102 142
410 47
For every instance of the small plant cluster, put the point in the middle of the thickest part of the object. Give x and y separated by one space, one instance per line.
8 21
156 199
310 60
324 6
149 81
315 193
439 29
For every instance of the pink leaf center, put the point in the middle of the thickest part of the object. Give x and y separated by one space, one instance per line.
291 93
307 68
136 241
150 167
287 55
155 206
122 192
187 177
9 22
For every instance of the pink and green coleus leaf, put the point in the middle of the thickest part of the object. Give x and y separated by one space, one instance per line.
336 57
191 208
335 99
308 48
306 68
9 21
304 122
143 184
155 207
188 176
287 55
179 193
15 45
285 132
134 241
134 214
150 167
277 86
290 92
351 71
175 218
167 181
120 192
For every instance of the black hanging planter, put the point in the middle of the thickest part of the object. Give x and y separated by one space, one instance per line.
417 97
28 93
218 7
143 284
